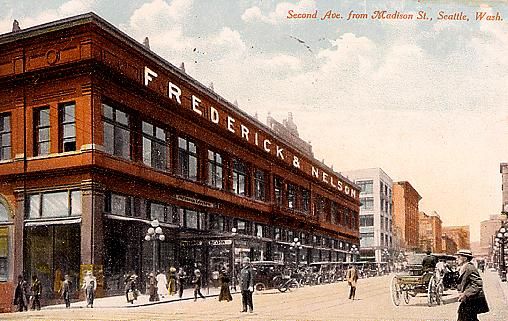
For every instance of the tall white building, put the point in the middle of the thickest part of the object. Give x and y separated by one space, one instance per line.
376 236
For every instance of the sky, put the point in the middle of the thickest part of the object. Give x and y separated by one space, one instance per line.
425 100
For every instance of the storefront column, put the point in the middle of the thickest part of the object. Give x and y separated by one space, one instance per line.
17 241
92 235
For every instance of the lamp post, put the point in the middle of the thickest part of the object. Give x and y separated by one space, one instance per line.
233 277
501 242
297 246
154 234
354 251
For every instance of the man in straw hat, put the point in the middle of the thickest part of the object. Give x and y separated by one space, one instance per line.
247 284
470 286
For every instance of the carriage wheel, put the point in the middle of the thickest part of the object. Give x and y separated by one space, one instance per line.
293 285
439 293
260 287
405 294
431 291
395 291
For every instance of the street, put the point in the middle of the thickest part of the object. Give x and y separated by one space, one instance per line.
324 302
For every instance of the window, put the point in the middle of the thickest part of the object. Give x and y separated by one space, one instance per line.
239 177
260 185
4 213
54 204
367 203
366 220
215 176
67 127
291 195
334 213
259 230
4 252
278 190
193 219
5 137
117 133
305 200
42 129
187 159
217 222
365 186
277 234
156 149
161 212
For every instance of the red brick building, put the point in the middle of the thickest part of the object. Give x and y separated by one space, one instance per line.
430 232
405 215
99 136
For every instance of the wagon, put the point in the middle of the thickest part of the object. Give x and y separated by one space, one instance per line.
417 281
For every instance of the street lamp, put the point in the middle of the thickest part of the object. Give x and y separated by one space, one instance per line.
354 251
501 241
297 246
233 234
154 234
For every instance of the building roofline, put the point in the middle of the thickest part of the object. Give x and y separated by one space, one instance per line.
93 18
410 186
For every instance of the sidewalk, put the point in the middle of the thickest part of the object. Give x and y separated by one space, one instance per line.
121 302
502 285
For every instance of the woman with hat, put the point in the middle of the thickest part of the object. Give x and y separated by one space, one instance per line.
172 281
90 286
196 280
470 286
225 294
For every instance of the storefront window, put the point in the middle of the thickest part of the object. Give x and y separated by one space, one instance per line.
5 136
54 204
155 146
193 219
117 133
217 222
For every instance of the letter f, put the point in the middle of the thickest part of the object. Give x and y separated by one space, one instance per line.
149 73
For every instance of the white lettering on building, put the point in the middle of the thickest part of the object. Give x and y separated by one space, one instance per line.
265 145
245 132
279 152
315 172
195 104
149 73
174 90
214 115
231 122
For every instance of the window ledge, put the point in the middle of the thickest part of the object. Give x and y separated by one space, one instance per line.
6 161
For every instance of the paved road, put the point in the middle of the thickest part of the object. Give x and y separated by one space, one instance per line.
325 302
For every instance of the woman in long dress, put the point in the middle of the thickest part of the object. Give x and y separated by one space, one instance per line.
162 284
225 294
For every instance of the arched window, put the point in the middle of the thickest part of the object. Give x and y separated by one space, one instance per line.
4 239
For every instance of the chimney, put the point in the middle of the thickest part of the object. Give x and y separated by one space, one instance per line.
182 67
211 86
146 43
15 26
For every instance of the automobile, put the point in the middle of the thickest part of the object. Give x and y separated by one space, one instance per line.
265 272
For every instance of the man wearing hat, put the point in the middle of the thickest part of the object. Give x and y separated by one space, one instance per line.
247 284
470 286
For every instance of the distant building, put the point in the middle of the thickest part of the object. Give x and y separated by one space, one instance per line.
503 168
375 212
430 232
488 229
448 245
460 234
405 215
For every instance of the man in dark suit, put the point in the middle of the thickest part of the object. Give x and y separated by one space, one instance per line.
470 286
247 284
429 262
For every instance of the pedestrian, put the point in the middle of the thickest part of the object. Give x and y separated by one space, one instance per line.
66 291
196 280
162 284
36 292
90 286
352 279
172 281
470 286
429 262
224 294
21 296
247 285
152 288
181 278
131 289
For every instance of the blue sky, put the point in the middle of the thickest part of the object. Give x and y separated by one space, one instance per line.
424 100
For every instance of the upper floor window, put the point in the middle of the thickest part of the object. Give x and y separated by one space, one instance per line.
291 195
42 129
277 183
187 159
239 177
117 134
67 127
367 203
5 136
4 252
215 173
305 200
161 212
334 213
54 204
366 220
365 186
260 185
193 219
217 222
156 150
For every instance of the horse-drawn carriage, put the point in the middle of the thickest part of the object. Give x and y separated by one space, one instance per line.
416 281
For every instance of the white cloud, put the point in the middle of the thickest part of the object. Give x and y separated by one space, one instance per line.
254 14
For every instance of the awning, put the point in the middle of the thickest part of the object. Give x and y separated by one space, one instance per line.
59 221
